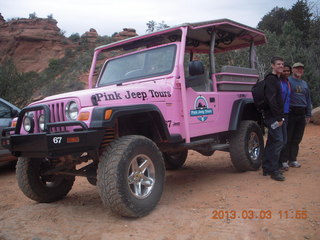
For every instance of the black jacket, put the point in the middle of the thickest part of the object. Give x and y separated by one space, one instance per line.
274 97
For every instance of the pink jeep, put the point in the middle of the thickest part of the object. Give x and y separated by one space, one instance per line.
158 96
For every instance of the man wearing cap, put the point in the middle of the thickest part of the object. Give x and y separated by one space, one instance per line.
299 115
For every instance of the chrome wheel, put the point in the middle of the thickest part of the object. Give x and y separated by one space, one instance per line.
141 176
254 146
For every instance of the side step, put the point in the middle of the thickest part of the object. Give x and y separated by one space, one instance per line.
221 147
207 144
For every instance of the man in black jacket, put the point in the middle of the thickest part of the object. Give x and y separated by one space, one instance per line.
274 117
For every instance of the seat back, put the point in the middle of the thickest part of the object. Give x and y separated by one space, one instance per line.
198 78
236 75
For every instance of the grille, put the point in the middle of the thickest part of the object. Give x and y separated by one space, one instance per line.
57 114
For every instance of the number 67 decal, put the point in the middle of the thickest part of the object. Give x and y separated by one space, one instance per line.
57 140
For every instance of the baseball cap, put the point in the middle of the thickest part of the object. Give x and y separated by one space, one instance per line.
298 64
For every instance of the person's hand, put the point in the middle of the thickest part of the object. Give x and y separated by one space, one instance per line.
307 120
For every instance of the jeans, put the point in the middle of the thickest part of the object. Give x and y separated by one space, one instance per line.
275 143
284 154
296 126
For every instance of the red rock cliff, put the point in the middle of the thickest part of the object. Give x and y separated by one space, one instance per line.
31 43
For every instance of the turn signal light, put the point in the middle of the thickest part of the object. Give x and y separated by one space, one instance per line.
13 123
107 114
73 139
83 116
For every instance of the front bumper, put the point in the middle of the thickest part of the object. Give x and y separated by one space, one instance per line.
53 144
48 144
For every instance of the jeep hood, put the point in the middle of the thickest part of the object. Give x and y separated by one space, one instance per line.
142 91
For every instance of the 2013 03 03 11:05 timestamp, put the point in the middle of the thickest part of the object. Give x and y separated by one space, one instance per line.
259 214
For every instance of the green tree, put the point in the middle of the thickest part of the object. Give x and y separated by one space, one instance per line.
300 14
314 31
265 52
32 15
274 20
75 37
16 87
153 26
298 40
162 25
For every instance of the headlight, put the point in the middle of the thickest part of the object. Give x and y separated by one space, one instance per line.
28 124
41 122
72 110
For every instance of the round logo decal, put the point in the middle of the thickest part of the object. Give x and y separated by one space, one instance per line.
201 110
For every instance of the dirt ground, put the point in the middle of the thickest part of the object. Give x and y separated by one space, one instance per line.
245 205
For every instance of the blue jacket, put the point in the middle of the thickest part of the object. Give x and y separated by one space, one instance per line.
300 95
286 91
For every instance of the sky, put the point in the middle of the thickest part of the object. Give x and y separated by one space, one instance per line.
110 16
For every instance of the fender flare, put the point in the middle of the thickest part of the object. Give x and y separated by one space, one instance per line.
243 109
98 121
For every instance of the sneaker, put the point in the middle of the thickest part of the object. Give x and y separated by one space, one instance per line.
295 164
277 176
285 166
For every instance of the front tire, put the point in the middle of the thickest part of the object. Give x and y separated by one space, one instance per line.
131 176
38 187
247 147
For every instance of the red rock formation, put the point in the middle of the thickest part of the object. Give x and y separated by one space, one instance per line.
126 33
2 19
91 36
31 43
316 116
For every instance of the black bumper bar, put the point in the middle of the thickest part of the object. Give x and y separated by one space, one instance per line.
53 144
49 144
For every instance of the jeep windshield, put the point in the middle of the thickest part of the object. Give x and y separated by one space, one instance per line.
145 64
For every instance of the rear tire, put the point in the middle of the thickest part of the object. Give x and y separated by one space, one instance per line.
247 147
175 160
131 176
38 187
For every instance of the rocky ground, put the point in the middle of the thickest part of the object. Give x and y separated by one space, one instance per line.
206 199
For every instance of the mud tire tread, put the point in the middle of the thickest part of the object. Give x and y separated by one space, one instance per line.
111 176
